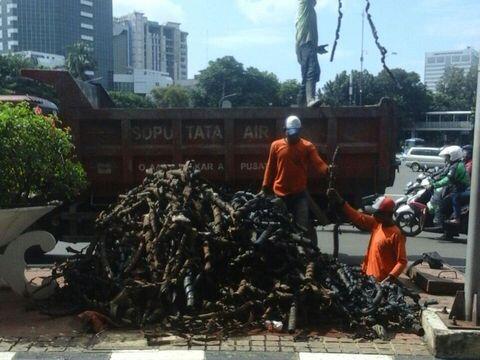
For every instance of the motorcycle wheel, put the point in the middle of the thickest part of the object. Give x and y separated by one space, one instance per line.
409 223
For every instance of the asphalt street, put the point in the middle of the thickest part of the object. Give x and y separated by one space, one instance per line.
353 243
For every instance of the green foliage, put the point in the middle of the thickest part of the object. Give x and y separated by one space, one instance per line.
412 97
288 92
37 162
79 60
456 90
12 83
222 77
173 96
260 88
226 76
128 100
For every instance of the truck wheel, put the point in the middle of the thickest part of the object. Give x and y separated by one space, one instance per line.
415 167
409 223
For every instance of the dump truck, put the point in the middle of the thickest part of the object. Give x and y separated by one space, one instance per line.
230 146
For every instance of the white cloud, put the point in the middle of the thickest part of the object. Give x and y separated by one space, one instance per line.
248 37
260 11
157 10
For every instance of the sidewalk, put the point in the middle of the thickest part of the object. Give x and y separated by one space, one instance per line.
26 332
199 355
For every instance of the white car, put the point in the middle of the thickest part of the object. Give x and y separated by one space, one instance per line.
418 158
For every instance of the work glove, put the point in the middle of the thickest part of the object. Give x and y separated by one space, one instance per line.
335 198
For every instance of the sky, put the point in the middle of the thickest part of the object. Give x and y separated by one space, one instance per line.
261 33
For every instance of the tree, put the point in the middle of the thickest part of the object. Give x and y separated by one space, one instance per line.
11 81
173 96
37 161
129 100
260 88
226 76
335 92
222 77
80 60
411 97
456 90
288 92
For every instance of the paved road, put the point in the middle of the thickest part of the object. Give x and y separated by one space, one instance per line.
353 243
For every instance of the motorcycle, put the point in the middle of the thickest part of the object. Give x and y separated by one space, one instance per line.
422 210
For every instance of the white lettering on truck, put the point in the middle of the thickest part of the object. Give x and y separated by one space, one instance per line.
204 132
152 133
252 166
256 132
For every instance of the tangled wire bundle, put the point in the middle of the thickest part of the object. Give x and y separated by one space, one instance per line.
174 253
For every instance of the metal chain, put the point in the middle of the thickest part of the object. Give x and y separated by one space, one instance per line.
337 33
383 50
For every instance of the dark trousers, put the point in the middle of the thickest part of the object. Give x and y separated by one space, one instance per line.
458 200
297 205
308 58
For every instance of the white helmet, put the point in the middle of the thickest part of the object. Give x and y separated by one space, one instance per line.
293 125
455 153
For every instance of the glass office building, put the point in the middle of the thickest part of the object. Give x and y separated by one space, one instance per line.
51 26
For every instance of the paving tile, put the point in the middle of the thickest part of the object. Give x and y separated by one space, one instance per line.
227 347
242 342
242 348
213 347
257 337
258 343
368 351
21 346
257 348
272 337
272 349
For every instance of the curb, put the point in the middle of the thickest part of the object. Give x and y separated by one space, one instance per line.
449 344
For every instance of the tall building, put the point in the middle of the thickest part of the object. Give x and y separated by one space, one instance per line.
51 26
142 44
437 62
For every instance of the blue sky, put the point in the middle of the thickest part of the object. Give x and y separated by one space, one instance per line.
261 33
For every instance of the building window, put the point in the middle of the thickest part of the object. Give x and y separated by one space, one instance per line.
440 60
456 59
87 37
86 26
11 19
466 58
86 2
86 14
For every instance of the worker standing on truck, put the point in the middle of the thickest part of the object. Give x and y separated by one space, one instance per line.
287 169
386 255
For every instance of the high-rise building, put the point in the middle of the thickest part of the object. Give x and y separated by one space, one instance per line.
437 62
142 44
51 26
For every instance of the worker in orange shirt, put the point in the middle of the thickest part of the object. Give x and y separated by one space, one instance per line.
287 168
386 255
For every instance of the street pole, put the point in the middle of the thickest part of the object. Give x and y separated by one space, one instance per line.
472 272
362 58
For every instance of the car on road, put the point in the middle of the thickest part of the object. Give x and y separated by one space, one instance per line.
420 158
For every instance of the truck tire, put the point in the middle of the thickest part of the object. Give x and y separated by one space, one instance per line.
415 167
409 223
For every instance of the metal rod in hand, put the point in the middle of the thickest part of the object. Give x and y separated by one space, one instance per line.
472 273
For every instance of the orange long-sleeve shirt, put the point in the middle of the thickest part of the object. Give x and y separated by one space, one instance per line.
386 253
288 165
